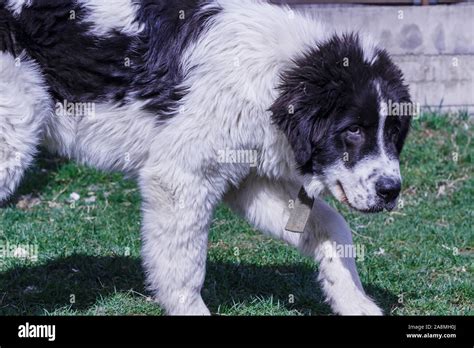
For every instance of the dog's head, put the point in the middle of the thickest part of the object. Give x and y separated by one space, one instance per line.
346 113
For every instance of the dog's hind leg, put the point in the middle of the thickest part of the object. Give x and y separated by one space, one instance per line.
24 104
266 204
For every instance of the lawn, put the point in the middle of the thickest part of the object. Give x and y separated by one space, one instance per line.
85 226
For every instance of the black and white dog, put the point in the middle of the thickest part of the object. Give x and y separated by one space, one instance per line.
160 90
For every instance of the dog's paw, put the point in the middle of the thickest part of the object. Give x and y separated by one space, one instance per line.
358 306
197 308
190 312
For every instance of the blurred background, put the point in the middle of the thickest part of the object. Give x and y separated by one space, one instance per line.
431 40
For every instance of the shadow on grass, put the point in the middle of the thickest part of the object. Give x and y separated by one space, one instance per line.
32 289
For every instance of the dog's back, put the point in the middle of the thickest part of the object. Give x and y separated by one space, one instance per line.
112 68
95 52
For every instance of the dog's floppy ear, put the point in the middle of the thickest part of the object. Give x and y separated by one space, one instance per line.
302 112
288 116
312 89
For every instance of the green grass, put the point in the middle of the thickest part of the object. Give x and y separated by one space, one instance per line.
418 260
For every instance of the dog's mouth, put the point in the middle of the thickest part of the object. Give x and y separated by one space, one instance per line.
342 197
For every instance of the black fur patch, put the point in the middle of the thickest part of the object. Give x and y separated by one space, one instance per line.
81 67
170 28
8 42
329 89
77 66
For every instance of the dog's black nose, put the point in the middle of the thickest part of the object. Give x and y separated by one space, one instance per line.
388 189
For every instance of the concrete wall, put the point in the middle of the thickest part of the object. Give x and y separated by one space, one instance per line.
433 45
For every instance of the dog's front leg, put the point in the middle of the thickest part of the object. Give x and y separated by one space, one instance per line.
176 216
329 240
266 204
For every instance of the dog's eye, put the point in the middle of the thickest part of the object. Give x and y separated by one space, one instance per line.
354 135
354 130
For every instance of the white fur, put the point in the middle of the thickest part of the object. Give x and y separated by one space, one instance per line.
16 6
107 139
231 73
24 105
369 48
313 185
109 15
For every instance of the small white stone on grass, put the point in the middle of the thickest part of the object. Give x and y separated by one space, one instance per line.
74 196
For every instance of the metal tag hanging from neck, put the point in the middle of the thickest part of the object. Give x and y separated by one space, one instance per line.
300 213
